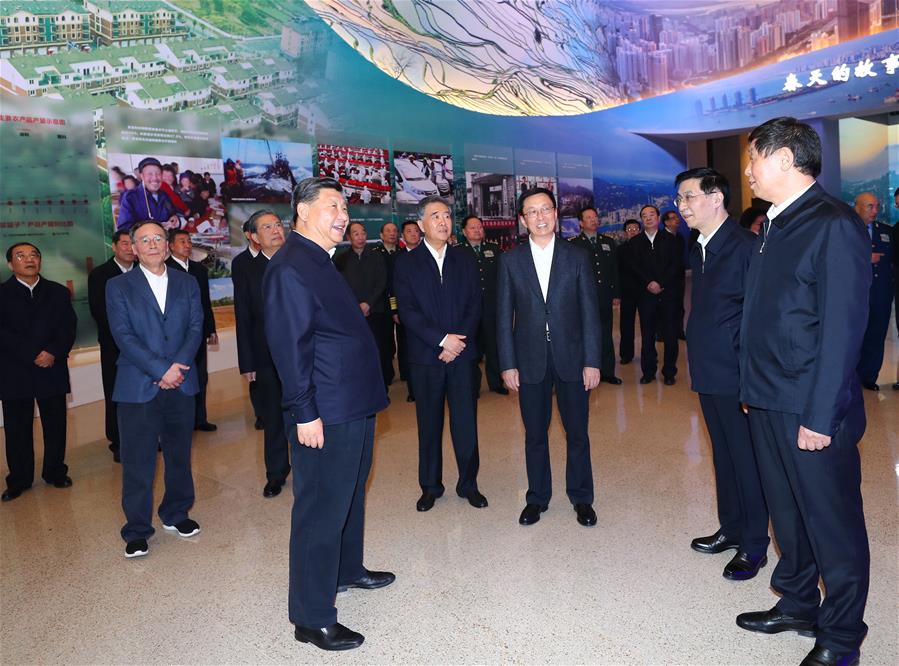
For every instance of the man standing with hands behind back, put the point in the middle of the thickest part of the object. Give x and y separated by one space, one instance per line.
332 388
549 335
804 316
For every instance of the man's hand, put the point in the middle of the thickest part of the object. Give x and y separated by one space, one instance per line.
44 360
249 376
311 434
591 378
173 377
447 356
875 257
454 343
809 440
510 379
616 302
366 309
213 338
654 288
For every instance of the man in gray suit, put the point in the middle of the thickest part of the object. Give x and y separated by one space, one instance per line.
549 335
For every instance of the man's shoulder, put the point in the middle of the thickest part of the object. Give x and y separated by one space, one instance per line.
198 268
603 238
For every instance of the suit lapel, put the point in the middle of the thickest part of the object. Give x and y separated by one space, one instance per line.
530 270
556 266
143 288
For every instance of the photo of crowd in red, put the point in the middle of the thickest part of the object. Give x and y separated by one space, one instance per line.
363 172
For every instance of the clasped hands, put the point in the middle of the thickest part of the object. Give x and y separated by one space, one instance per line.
44 360
174 376
452 347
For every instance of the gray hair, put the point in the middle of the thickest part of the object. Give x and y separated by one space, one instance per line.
433 198
252 221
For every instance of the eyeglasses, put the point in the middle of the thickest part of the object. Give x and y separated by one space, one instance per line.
22 256
688 198
146 240
534 213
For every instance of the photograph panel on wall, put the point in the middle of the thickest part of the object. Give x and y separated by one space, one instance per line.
263 170
575 190
420 174
525 183
490 191
364 172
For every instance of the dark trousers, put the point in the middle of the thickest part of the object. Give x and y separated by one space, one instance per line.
535 402
488 346
18 424
658 314
681 293
873 341
268 393
254 400
326 531
203 376
607 360
742 512
108 358
402 357
436 385
166 421
627 316
816 511
381 325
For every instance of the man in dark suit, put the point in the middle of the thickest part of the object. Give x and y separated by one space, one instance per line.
438 292
804 315
486 254
671 224
156 321
604 258
549 334
894 241
658 265
37 331
331 381
882 291
719 261
388 248
239 265
253 356
630 289
122 261
411 238
366 272
180 247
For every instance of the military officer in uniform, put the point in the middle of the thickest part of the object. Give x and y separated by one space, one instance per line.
604 259
487 256
880 299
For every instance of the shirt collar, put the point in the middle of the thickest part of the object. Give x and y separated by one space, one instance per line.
549 246
185 264
254 253
704 240
774 211
152 276
122 268
438 256
30 287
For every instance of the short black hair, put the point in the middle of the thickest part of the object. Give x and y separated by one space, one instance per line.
129 177
709 179
15 245
174 233
655 208
137 225
786 132
307 191
428 200
117 234
350 226
747 217
406 223
250 225
384 226
632 221
534 191
470 217
896 193
580 213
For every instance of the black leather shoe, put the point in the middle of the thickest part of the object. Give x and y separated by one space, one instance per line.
410 398
259 425
773 622
586 516
871 386
64 482
716 543
821 656
531 513
206 427
610 379
333 637
476 499
502 390
272 488
744 566
647 379
371 580
670 381
11 493
896 386
425 502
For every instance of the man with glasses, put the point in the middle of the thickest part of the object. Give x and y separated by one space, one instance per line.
549 333
37 331
156 321
630 289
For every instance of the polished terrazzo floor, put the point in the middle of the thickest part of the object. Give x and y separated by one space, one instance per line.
472 585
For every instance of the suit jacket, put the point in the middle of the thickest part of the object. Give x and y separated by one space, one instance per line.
249 312
713 329
239 265
629 284
149 340
661 261
199 271
571 311
431 307
604 258
322 346
367 276
96 299
805 312
488 268
28 326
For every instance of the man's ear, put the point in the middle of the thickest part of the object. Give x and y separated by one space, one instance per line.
786 158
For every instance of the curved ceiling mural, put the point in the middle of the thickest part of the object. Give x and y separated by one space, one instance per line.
569 57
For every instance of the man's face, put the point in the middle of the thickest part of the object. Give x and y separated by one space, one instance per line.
765 172
589 222
269 234
357 236
539 215
436 222
631 230
150 245
326 218
25 263
411 235
867 206
474 231
151 176
672 222
650 219
696 207
181 246
123 250
389 234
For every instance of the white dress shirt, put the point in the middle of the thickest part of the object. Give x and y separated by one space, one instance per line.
185 264
543 261
30 286
438 257
253 253
704 240
774 211
122 268
158 285
652 239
